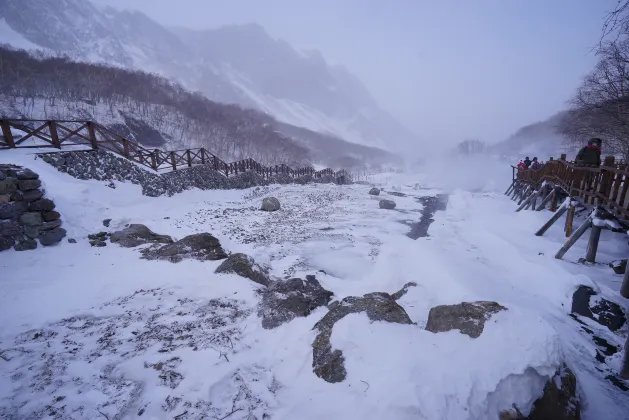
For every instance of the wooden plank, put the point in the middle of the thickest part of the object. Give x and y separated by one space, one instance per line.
574 238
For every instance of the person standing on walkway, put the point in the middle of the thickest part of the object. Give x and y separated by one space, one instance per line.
527 162
590 154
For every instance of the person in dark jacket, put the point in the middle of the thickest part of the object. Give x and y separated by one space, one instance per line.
590 154
527 162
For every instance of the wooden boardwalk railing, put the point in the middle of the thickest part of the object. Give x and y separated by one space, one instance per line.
60 133
604 186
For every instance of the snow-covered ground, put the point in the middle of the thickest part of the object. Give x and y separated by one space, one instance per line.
99 333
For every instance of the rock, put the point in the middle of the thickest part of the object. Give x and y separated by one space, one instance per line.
50 225
286 300
467 317
136 234
32 195
31 219
98 243
8 185
106 222
6 243
4 199
559 400
397 295
49 216
270 204
43 204
71 240
26 245
201 246
26 174
328 364
374 191
619 266
603 311
31 232
16 196
10 228
244 266
52 237
387 204
397 194
30 184
12 210
100 236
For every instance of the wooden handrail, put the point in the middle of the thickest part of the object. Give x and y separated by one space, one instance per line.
604 185
56 133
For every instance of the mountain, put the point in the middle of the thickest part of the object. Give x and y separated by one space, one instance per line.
538 139
238 64
159 113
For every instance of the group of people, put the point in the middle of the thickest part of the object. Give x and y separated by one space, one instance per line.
589 154
530 164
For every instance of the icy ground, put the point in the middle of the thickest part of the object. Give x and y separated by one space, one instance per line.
98 333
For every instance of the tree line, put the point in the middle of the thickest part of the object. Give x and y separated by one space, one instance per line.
55 87
600 105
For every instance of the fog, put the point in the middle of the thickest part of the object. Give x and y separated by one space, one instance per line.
448 70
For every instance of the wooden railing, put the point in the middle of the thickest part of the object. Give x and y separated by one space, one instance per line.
605 185
60 133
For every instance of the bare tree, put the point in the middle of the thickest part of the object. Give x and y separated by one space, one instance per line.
471 147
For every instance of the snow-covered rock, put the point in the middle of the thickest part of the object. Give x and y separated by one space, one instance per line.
244 266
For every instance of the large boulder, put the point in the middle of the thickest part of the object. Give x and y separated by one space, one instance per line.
270 204
29 184
9 228
32 195
387 204
200 246
558 402
26 245
245 266
286 300
603 311
136 234
42 204
8 185
52 237
26 174
328 364
467 317
31 218
6 243
374 191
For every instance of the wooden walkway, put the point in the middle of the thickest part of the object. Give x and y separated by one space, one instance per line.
60 133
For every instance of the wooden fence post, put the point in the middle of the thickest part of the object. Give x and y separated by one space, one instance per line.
172 161
7 134
92 135
189 157
624 372
624 289
202 156
569 220
52 127
595 236
553 201
125 147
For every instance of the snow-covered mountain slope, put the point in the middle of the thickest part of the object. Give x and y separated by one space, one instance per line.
235 64
539 139
91 333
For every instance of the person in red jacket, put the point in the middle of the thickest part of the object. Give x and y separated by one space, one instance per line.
521 165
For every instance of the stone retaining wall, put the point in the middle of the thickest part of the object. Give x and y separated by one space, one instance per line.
103 166
26 216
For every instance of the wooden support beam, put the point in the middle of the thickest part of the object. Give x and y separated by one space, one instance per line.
574 238
624 371
527 201
569 220
7 134
173 163
551 221
524 194
189 158
54 136
532 203
125 148
595 236
546 199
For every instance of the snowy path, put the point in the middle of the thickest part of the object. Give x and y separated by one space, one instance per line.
97 332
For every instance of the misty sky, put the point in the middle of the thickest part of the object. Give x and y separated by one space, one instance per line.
448 69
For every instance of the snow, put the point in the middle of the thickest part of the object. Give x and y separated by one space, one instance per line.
98 330
9 36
